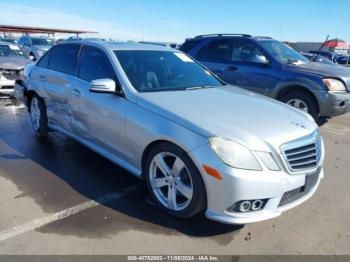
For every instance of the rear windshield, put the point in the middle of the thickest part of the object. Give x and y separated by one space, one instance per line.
152 71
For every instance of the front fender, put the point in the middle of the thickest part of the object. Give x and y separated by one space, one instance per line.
143 127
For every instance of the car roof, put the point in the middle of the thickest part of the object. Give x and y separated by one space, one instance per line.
228 36
122 45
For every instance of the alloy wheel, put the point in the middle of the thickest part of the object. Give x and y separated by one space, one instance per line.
171 181
299 104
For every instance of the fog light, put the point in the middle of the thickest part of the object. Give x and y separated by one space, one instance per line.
248 205
244 206
257 205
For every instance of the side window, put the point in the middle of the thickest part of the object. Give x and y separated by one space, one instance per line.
216 50
64 58
247 52
44 60
95 65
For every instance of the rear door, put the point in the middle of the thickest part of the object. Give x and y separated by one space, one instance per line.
98 118
57 79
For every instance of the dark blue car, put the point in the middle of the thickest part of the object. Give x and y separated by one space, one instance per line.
271 68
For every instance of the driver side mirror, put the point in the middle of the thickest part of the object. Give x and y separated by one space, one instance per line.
104 86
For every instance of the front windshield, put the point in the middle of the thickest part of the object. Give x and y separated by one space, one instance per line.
12 51
283 53
152 71
40 41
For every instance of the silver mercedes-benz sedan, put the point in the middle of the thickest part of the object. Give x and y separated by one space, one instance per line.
200 144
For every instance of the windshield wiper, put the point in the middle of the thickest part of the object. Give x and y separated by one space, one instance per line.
198 87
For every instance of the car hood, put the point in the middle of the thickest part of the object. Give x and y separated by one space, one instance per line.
14 63
233 113
323 70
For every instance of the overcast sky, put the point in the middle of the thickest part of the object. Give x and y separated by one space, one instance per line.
175 20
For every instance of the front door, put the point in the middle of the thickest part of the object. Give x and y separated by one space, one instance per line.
98 118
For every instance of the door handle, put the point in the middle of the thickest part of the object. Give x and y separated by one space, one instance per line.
77 92
231 68
42 77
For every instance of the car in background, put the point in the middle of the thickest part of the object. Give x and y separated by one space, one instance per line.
318 59
269 67
344 60
199 144
8 40
12 62
332 56
34 46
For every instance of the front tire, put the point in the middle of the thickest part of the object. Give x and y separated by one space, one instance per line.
38 115
302 101
174 181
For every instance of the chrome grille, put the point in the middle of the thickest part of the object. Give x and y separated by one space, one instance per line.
303 154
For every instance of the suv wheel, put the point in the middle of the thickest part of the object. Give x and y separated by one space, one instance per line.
174 181
302 101
38 115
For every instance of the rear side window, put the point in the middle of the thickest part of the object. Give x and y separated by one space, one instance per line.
216 50
95 65
64 59
44 60
188 46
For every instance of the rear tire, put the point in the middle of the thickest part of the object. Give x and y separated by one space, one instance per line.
302 101
38 115
171 174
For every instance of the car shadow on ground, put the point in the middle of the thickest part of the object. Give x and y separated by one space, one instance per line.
59 168
322 121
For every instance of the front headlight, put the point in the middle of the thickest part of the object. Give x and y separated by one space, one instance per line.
334 85
234 154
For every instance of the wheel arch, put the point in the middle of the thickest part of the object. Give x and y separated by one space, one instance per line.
297 88
149 148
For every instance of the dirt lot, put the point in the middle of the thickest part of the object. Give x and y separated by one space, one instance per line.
58 197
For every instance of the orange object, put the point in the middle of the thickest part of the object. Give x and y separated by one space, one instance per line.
212 172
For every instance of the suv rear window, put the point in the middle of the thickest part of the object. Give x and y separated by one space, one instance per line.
188 45
217 50
64 58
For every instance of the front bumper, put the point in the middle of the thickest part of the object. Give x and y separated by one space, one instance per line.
7 86
239 185
333 104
